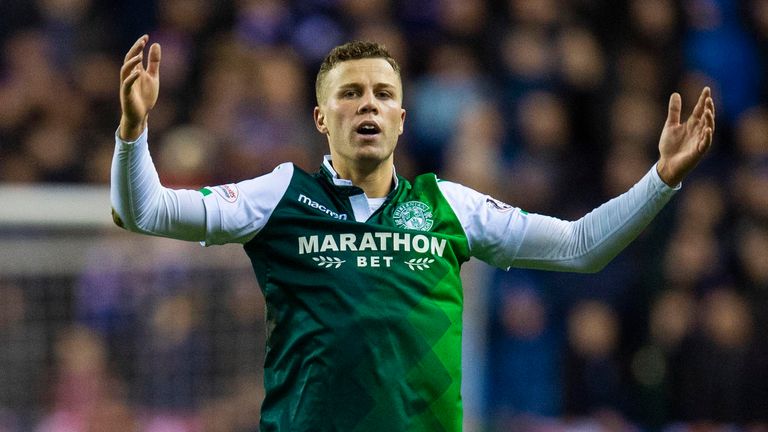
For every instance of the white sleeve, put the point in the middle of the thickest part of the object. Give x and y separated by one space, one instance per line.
231 213
141 204
509 237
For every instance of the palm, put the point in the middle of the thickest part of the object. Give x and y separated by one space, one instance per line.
141 96
139 87
682 145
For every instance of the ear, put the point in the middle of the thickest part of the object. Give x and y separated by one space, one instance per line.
402 122
320 121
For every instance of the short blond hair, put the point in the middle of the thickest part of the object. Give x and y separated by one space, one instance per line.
354 50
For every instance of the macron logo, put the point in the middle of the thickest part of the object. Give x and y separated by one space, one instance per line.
314 204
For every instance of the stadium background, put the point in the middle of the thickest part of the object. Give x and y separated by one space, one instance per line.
551 105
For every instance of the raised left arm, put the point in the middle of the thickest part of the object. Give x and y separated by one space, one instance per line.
507 237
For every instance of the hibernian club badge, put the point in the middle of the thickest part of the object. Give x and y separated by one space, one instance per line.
413 215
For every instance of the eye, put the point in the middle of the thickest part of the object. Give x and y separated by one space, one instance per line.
384 94
348 94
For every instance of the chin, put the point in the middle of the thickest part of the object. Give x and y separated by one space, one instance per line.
365 156
372 154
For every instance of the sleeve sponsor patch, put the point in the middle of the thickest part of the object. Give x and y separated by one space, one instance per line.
229 192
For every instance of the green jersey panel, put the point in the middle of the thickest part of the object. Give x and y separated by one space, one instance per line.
364 319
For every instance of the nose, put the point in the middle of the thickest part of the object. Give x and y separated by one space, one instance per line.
368 104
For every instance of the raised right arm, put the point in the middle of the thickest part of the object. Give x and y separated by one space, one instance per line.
140 203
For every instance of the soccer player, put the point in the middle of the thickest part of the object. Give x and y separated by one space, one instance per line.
360 267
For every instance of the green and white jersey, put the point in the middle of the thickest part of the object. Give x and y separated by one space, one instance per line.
364 316
364 299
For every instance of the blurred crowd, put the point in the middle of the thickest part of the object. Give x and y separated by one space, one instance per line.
551 105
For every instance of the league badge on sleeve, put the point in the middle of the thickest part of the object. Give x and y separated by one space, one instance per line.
497 205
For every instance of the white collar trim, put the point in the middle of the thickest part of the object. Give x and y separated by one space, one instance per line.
338 181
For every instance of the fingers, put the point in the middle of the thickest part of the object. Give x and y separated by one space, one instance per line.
133 58
153 66
137 47
705 140
703 116
706 122
698 110
675 106
132 64
129 80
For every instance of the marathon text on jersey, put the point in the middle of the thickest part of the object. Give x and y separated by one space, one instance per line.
376 241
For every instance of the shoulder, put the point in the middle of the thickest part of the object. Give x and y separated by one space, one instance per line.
456 195
254 188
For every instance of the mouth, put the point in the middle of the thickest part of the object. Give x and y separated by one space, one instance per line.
368 128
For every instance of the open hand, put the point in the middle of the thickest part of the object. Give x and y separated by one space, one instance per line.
139 88
682 145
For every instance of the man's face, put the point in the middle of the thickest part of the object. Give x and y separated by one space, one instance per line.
361 111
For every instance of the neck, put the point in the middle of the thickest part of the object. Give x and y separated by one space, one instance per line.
375 180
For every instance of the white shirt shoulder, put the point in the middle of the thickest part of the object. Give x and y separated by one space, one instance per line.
494 229
236 212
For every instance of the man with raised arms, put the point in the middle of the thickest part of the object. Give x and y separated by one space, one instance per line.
360 267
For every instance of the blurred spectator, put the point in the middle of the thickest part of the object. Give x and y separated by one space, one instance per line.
360 13
751 134
693 260
712 370
173 359
707 217
545 13
261 22
526 60
624 164
475 154
751 246
715 27
249 101
655 23
630 113
751 249
538 166
750 183
583 66
671 321
525 379
437 101
757 19
86 395
186 157
639 71
593 380
463 20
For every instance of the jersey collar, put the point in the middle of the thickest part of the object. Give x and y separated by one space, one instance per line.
330 173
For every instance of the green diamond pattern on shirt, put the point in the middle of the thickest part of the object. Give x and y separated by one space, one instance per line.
364 318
